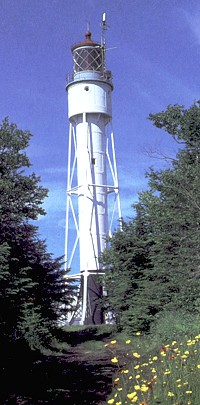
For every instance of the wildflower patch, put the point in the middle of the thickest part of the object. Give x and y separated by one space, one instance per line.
169 377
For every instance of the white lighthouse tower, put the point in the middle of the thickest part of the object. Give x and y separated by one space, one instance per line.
92 186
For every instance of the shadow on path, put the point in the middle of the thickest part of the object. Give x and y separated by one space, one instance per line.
67 379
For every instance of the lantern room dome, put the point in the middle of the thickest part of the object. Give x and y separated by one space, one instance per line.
88 55
87 42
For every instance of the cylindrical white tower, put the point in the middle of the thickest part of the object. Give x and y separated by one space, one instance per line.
89 112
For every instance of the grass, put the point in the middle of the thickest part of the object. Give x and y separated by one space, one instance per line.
162 367
93 346
90 337
166 375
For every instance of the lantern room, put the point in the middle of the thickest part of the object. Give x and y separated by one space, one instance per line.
88 55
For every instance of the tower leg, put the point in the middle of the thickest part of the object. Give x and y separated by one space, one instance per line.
94 312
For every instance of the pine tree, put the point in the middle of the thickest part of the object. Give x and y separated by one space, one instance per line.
154 264
125 262
32 286
177 217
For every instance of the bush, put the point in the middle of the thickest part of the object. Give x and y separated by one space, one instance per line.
171 325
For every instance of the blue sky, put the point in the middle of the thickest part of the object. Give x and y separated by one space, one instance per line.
154 55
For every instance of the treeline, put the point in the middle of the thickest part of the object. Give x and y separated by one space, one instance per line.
153 264
33 291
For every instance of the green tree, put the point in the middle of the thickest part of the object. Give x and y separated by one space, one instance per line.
125 262
32 287
157 254
176 218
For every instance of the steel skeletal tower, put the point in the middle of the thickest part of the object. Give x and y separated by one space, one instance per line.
92 172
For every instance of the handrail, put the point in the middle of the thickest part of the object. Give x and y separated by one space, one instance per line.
105 76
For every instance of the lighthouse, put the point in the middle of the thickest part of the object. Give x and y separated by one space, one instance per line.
92 199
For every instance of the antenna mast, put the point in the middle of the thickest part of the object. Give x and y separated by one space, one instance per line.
103 32
88 25
103 38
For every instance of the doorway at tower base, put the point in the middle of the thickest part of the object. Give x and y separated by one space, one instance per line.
93 311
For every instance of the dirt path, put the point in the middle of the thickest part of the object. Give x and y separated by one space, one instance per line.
76 378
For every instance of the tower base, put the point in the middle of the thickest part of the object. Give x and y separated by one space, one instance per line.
93 311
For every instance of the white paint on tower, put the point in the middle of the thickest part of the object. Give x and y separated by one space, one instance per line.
89 158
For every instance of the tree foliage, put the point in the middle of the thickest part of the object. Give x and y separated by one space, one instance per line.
33 291
154 263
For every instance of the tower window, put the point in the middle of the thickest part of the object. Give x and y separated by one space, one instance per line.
93 161
88 58
86 88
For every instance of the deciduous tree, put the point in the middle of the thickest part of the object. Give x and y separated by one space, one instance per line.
154 264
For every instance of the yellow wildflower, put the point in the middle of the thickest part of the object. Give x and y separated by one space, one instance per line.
155 358
188 392
163 353
119 389
125 371
113 342
114 360
136 367
170 394
137 355
144 388
198 365
134 399
138 333
137 376
131 395
128 341
119 403
191 342
137 387
111 401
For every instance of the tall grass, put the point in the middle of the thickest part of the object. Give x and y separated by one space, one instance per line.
169 375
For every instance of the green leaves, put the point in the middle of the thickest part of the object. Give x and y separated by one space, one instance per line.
154 264
12 144
32 287
21 196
